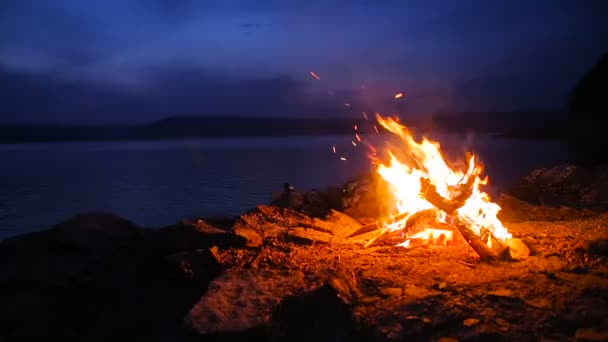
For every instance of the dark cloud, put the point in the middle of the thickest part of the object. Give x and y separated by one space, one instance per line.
167 92
93 60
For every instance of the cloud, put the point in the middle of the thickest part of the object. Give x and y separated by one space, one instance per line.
167 92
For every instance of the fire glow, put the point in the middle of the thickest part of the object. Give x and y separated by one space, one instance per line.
425 163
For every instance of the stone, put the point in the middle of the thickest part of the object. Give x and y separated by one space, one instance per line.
392 291
501 293
94 231
539 303
242 299
253 239
417 292
469 322
447 339
318 315
518 249
198 266
591 334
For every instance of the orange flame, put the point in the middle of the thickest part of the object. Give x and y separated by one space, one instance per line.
425 161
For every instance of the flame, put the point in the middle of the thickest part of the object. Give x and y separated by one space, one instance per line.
424 160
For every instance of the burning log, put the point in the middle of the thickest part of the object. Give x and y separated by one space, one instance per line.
449 206
379 224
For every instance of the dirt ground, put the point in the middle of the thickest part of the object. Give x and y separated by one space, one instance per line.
427 292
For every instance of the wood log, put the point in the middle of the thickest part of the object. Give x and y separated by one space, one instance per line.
449 206
379 224
478 245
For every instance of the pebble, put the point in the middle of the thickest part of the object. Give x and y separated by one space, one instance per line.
469 322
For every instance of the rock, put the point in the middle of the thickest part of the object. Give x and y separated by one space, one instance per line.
366 198
346 286
417 292
199 266
599 248
539 303
517 249
192 235
314 203
591 334
469 322
98 277
290 200
319 315
516 210
502 322
392 291
501 293
304 236
342 224
94 232
242 299
447 339
565 185
253 239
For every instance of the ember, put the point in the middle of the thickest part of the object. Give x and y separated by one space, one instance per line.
424 181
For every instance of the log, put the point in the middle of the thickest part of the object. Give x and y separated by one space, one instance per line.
379 224
428 215
449 206
429 192
478 245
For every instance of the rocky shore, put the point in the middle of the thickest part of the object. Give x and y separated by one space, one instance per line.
287 271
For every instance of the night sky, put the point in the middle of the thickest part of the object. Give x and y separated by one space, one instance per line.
91 61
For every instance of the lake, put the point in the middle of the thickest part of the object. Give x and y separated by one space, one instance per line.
156 183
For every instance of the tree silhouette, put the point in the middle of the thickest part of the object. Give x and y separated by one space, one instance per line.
589 98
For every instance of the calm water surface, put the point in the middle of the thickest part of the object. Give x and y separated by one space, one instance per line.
157 183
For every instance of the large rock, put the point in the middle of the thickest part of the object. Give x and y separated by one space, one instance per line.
313 203
242 299
99 277
565 185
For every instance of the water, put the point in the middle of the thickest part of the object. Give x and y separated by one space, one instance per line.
156 183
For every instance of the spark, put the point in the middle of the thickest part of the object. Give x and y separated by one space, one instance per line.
354 144
347 104
399 95
315 76
356 127
333 148
358 137
365 116
342 158
376 129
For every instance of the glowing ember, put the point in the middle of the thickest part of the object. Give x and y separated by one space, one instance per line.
399 95
424 161
315 76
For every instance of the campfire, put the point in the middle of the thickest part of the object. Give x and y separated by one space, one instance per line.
434 200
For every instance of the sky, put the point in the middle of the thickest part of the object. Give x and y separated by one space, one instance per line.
90 61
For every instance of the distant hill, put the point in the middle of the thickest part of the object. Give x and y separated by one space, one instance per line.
177 128
517 125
